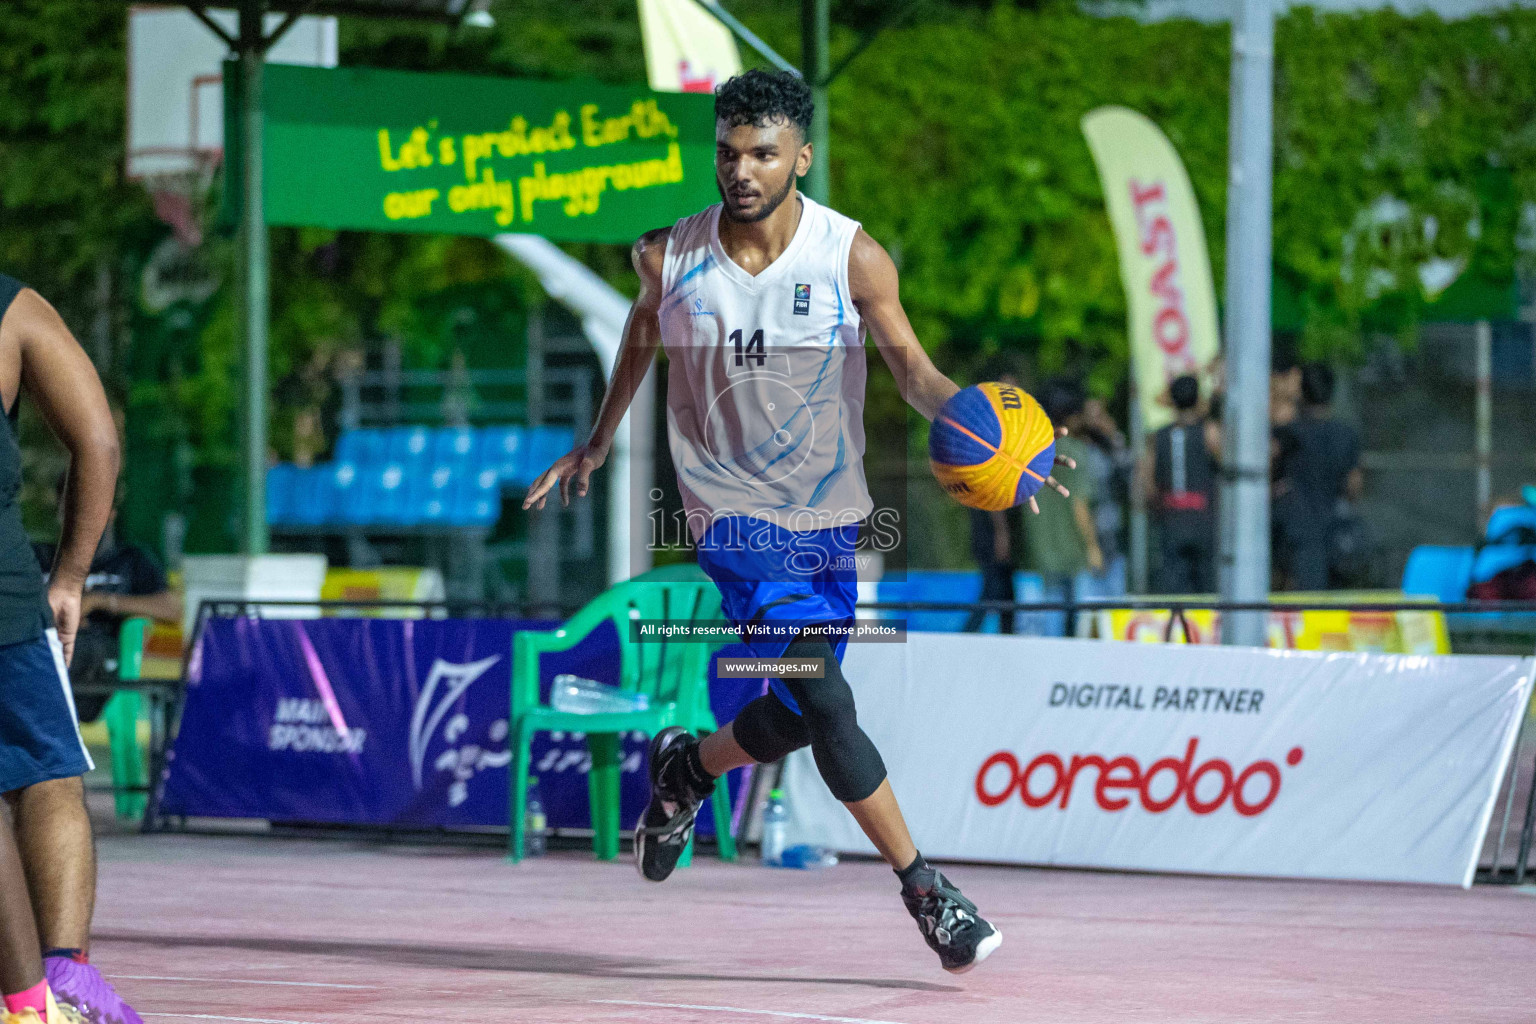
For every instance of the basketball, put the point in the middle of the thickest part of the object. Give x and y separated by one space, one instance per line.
992 446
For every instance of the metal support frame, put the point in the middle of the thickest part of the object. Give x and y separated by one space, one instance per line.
747 36
1482 336
1529 830
815 39
1509 800
249 46
254 270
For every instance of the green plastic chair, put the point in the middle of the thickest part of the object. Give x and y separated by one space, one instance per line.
130 777
674 675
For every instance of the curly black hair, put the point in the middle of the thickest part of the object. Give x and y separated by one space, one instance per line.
760 98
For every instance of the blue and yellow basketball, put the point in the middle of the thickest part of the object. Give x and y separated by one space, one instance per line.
992 446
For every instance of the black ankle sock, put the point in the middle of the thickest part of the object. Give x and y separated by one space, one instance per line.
699 781
68 952
917 875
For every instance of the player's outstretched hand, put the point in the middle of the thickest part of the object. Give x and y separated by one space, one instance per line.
573 469
1061 460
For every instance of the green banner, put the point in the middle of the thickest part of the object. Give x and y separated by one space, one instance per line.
397 151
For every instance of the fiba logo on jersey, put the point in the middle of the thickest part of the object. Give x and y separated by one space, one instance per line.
802 300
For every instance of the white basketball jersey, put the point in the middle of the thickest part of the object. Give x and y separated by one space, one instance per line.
765 396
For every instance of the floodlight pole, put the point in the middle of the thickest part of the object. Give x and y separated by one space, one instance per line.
255 296
1245 569
816 66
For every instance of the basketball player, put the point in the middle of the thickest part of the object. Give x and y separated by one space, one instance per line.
47 860
762 303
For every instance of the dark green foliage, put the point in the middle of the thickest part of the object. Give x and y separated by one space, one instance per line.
955 139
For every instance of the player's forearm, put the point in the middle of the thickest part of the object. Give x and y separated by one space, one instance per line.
1082 515
87 506
926 390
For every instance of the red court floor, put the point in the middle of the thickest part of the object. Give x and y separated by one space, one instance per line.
279 931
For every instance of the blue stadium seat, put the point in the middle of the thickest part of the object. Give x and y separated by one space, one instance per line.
438 493
282 481
545 445
314 495
1030 586
1437 571
455 445
1495 558
408 446
931 585
1507 520
352 496
391 484
477 499
505 449
360 447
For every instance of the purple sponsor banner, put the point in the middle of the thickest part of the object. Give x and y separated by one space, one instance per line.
384 722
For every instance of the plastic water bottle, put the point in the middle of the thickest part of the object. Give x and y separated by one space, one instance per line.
536 825
775 827
575 695
807 857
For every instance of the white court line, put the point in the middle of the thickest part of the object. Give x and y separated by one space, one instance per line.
737 1009
214 1016
239 981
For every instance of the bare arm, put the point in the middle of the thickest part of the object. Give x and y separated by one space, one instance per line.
876 292
1082 516
642 337
1146 475
59 377
164 606
1354 484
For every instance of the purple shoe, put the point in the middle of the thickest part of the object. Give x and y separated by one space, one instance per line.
81 988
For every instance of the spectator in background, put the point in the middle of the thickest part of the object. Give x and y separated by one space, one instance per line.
1110 466
1319 467
1284 390
125 581
995 543
1182 494
995 540
1063 541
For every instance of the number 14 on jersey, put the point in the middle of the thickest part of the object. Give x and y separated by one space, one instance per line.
752 350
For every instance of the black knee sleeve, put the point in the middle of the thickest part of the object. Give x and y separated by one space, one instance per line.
846 757
768 731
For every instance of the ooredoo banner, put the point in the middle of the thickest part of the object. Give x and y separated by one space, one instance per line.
1219 760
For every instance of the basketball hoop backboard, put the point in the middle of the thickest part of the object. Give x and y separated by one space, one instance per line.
176 89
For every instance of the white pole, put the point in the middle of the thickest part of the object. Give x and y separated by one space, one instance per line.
1245 492
1483 332
603 311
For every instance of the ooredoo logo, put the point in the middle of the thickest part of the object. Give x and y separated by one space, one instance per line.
1204 789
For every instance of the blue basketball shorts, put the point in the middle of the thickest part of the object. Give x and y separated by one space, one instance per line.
783 580
39 734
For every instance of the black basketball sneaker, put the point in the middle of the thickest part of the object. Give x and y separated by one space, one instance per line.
667 824
961 937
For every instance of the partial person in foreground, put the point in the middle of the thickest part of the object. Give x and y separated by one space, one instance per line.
762 303
42 758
